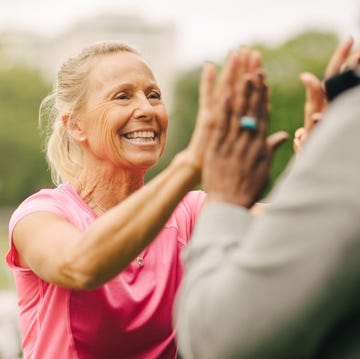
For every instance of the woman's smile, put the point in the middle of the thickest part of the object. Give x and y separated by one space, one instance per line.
126 119
147 137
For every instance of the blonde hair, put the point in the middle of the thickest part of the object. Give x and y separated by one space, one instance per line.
63 154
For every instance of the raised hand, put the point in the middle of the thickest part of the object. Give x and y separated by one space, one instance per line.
238 156
316 101
215 99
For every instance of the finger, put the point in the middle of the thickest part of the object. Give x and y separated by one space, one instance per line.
226 87
221 129
207 85
254 61
244 59
258 103
229 71
206 94
353 60
240 102
315 97
242 96
249 140
339 57
226 83
263 105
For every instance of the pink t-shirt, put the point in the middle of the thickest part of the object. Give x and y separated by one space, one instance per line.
128 317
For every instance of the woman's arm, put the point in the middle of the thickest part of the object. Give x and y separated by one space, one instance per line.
61 254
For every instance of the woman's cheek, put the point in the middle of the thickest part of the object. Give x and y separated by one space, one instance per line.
109 140
102 138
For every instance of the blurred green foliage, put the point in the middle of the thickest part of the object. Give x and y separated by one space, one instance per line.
24 170
308 52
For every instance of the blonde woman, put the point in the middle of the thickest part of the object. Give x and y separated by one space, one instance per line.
96 259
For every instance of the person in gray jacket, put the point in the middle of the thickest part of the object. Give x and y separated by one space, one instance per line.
285 284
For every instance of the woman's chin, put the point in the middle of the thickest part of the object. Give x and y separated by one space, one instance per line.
144 164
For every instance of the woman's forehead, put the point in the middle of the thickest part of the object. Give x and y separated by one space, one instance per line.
113 72
120 65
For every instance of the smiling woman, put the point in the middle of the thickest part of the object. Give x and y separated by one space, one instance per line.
96 260
108 127
123 105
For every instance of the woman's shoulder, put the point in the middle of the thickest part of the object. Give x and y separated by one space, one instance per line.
46 199
44 195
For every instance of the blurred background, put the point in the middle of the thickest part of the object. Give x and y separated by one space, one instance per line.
176 38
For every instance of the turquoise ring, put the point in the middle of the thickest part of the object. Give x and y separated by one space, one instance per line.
248 123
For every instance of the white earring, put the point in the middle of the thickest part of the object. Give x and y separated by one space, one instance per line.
82 139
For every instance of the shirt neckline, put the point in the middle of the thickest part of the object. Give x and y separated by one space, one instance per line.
68 187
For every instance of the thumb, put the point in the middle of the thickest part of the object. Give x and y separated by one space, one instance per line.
275 140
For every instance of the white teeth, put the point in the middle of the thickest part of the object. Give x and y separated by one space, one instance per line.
140 135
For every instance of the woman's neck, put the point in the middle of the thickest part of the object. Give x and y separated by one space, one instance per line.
102 190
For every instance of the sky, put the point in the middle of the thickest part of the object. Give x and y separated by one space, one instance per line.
205 29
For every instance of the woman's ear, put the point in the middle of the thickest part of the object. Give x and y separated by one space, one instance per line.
72 125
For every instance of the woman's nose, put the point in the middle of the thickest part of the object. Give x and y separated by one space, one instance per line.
143 109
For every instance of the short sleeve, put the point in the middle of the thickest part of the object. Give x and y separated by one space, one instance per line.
43 200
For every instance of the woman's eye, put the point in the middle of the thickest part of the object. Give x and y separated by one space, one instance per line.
154 95
122 96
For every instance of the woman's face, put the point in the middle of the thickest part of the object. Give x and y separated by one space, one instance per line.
124 118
